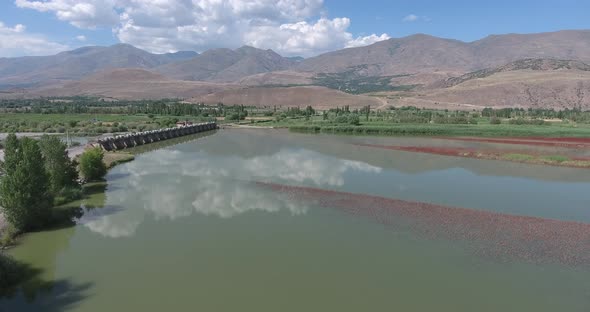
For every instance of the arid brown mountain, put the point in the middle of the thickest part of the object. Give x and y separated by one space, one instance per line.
526 64
533 70
226 65
132 83
318 97
424 53
530 83
79 63
129 83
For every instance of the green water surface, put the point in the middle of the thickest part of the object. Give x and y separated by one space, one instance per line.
185 228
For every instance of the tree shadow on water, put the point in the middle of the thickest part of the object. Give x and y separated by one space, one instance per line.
67 215
32 293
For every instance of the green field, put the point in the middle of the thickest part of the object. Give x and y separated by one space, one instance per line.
85 124
91 116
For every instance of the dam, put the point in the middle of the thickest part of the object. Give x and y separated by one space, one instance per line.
146 137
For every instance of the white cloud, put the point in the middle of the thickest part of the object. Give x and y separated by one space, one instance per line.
416 18
291 27
81 38
15 41
169 187
410 18
367 40
83 14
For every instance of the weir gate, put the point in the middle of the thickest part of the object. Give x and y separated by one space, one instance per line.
140 138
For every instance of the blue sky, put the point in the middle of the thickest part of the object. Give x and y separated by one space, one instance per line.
462 19
296 27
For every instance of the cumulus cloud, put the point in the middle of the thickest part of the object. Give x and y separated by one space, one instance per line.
303 38
291 27
367 40
83 14
15 41
81 38
415 18
410 18
165 185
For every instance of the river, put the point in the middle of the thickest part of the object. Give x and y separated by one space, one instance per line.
267 220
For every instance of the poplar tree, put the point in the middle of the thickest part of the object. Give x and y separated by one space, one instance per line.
60 169
24 188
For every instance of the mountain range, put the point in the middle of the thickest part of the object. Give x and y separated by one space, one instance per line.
523 70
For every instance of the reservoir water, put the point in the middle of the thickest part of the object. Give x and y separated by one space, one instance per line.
267 220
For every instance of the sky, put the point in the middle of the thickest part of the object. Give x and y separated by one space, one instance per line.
289 27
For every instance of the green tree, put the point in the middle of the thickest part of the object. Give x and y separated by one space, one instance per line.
92 166
354 119
12 154
61 170
24 188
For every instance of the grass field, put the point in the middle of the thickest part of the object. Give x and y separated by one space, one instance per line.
85 124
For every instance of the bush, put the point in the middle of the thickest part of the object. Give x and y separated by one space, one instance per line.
92 166
7 236
233 117
341 119
495 121
459 120
68 194
354 119
522 121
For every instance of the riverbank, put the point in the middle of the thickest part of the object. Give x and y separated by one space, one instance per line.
111 159
475 130
505 155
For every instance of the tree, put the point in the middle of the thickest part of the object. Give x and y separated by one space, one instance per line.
24 188
60 169
354 119
92 166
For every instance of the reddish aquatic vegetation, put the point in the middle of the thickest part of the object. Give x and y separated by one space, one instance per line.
479 153
534 141
563 139
489 234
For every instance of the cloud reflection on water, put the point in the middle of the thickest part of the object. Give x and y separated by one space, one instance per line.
171 184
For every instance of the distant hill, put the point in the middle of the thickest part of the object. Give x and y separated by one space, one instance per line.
526 64
128 83
424 53
529 83
547 70
79 63
318 97
226 65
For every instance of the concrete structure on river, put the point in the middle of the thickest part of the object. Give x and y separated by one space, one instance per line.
140 138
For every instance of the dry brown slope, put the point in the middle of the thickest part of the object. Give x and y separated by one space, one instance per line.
278 78
133 84
424 53
317 97
558 89
226 65
79 63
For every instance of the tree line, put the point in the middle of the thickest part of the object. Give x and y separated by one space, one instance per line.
82 105
39 175
36 176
